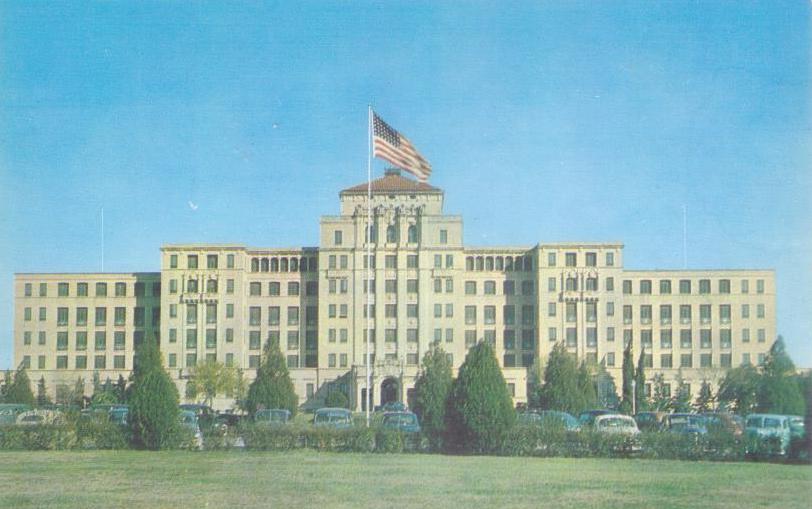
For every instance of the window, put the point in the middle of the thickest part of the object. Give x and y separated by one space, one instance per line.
665 286
724 286
391 285
293 315
762 336
61 362
509 315
591 337
610 359
591 312
591 260
628 337
61 340
255 289
391 262
100 342
443 236
62 289
211 338
470 288
645 338
551 262
191 261
571 337
551 307
274 288
490 287
101 316
101 289
138 316
528 288
760 313
705 360
686 360
120 316
211 261
191 286
449 261
610 334
229 310
230 335
254 340
685 339
610 259
62 316
571 312
705 338
610 284
41 362
211 312
645 314
43 289
230 261
685 286
338 237
724 313
490 315
591 284
704 286
438 261
627 287
28 289
705 313
665 314
81 289
293 340
645 286
550 284
571 284
685 314
411 261
470 315
725 339
666 360
390 311
121 290
570 259
665 338
627 314
119 340
745 310
293 288
528 315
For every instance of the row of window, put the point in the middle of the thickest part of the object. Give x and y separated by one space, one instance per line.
120 289
666 335
499 263
686 360
392 235
80 340
645 312
212 261
275 287
284 264
489 287
80 362
99 318
685 286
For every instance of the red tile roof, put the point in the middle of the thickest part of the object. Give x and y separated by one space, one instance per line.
393 183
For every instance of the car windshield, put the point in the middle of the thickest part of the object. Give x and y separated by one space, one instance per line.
332 417
771 422
682 421
400 420
188 418
616 422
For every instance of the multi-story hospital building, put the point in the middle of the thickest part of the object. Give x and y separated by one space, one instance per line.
223 302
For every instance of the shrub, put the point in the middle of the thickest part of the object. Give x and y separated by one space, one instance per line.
479 408
154 414
431 391
337 399
41 437
100 433
272 388
389 441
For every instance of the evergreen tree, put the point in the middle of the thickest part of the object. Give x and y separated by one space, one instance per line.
535 380
779 391
628 376
42 393
661 401
479 410
337 399
78 396
7 382
586 388
431 391
738 389
154 412
20 390
606 388
704 400
272 388
561 389
641 402
121 389
681 402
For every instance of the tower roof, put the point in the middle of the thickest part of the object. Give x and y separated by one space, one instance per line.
393 183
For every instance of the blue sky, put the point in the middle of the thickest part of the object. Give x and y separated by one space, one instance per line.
544 121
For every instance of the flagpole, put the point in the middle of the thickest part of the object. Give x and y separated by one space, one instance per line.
368 238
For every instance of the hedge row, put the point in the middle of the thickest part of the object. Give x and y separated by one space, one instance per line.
284 438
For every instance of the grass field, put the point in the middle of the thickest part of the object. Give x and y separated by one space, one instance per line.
136 479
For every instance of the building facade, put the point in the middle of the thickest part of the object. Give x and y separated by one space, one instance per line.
223 302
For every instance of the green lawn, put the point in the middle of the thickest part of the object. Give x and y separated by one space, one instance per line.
303 478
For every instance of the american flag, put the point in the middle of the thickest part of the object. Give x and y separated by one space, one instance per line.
392 146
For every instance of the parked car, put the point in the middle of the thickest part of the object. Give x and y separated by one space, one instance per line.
120 415
38 416
10 411
394 406
797 427
685 424
615 423
587 418
189 420
549 418
401 421
272 416
724 422
769 432
205 414
649 421
336 418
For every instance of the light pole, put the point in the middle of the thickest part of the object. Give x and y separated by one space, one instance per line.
634 397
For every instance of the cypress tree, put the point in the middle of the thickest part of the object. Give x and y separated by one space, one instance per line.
480 410
121 389
628 376
561 390
42 393
20 390
738 389
779 391
431 391
640 383
704 400
154 412
586 388
272 388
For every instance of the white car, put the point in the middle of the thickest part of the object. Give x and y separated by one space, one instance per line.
616 423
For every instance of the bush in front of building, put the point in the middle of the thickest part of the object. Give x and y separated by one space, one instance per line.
272 387
431 394
337 399
153 400
18 389
479 409
40 437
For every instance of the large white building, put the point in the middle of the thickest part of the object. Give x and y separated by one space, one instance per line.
222 302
